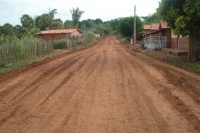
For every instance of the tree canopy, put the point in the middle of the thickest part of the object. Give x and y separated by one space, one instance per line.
76 15
183 16
27 22
153 18
126 26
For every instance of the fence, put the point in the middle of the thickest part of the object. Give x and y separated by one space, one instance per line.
154 42
16 51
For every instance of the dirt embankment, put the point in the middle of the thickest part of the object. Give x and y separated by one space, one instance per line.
106 88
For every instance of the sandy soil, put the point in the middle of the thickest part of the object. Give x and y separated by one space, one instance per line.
106 88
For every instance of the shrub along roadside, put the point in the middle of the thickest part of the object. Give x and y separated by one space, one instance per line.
57 45
194 66
60 44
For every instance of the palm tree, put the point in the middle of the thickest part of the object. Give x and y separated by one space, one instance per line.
76 15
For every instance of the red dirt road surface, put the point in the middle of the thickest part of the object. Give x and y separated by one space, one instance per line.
106 88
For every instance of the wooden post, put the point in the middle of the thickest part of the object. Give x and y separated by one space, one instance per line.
134 36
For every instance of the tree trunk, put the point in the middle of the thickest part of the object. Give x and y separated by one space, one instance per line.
194 47
177 43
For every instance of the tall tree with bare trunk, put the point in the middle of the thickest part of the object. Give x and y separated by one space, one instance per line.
76 15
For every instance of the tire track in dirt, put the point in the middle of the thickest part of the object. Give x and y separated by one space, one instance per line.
68 77
163 127
105 88
174 100
45 75
34 85
67 102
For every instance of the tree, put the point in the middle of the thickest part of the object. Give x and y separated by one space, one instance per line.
76 15
46 20
57 24
126 26
7 30
68 24
154 18
98 21
18 31
51 15
183 16
27 22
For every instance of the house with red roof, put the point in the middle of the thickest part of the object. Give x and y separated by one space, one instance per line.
159 35
73 34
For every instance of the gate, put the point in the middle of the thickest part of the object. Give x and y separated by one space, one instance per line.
154 42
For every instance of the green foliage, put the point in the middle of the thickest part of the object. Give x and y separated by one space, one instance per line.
106 29
92 25
90 37
18 30
27 22
98 21
13 65
68 24
154 18
7 30
46 21
12 50
122 26
126 26
183 16
112 26
59 44
57 24
76 15
192 66
181 25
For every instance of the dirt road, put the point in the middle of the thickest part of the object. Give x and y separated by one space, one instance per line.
106 88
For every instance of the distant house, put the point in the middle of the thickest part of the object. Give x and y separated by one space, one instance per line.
151 28
156 36
73 34
159 35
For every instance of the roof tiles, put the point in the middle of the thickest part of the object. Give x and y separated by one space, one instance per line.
61 31
156 26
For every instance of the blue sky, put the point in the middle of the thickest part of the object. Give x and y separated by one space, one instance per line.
12 10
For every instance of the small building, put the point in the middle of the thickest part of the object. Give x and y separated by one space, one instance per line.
156 36
73 34
160 35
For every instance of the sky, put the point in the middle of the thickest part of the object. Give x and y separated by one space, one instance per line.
12 10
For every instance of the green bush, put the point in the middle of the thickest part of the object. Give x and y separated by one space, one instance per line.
90 37
59 44
15 49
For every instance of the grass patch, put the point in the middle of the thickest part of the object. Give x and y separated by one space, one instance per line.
26 62
195 67
180 61
15 65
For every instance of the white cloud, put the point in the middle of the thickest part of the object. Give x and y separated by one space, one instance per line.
11 11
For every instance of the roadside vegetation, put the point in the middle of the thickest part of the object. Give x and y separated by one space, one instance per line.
21 52
19 46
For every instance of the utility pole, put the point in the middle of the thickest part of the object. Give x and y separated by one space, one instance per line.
134 32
